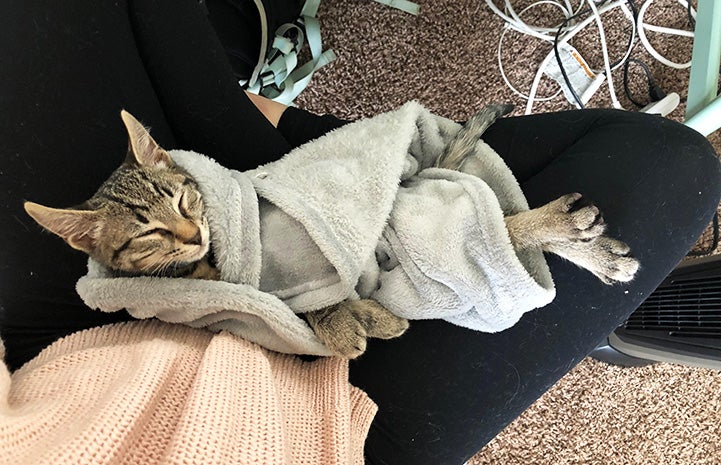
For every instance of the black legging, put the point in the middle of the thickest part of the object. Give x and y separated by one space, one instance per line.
442 391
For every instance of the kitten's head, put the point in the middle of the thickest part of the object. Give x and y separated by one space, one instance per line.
147 218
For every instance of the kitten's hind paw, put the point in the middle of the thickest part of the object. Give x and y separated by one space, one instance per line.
580 218
612 264
608 259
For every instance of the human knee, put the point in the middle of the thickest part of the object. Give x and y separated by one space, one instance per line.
690 160
692 150
673 142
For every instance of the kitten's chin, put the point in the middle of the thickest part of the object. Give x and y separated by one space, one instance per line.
197 254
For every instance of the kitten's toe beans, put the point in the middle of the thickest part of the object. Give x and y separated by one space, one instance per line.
618 266
615 246
347 345
393 327
587 218
626 268
569 202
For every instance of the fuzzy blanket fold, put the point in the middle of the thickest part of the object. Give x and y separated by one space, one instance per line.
359 212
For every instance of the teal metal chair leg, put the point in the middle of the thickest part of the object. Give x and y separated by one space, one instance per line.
708 119
703 107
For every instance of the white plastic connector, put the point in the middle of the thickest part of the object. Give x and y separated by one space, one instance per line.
664 106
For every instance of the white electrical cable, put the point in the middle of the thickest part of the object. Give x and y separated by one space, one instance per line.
564 39
668 30
566 12
631 43
547 34
664 30
606 59
518 19
520 25
508 82
515 22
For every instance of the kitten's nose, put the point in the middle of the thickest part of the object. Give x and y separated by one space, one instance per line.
189 233
195 240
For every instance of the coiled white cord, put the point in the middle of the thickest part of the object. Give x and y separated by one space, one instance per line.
597 9
642 27
543 36
573 32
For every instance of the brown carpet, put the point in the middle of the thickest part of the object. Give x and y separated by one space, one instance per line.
446 59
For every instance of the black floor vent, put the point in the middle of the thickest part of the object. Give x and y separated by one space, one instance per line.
684 312
683 307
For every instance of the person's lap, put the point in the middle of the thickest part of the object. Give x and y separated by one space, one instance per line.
443 391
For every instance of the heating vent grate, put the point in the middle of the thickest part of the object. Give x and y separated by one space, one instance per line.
688 308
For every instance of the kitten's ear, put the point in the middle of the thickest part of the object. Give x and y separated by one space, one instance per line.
145 151
77 227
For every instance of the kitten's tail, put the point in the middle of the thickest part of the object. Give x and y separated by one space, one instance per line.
465 141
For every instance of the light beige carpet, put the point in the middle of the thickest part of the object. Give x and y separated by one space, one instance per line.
446 59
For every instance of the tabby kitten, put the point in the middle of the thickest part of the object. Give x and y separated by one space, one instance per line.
147 219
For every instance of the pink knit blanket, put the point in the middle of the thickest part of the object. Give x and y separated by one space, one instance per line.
153 393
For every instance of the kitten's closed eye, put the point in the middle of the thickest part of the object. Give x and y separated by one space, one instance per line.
183 207
161 231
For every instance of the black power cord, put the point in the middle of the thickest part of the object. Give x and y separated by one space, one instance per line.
655 92
558 55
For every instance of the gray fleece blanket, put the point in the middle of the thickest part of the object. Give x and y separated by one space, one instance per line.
357 213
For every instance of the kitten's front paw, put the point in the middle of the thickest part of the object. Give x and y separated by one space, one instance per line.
339 329
344 327
348 340
377 320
